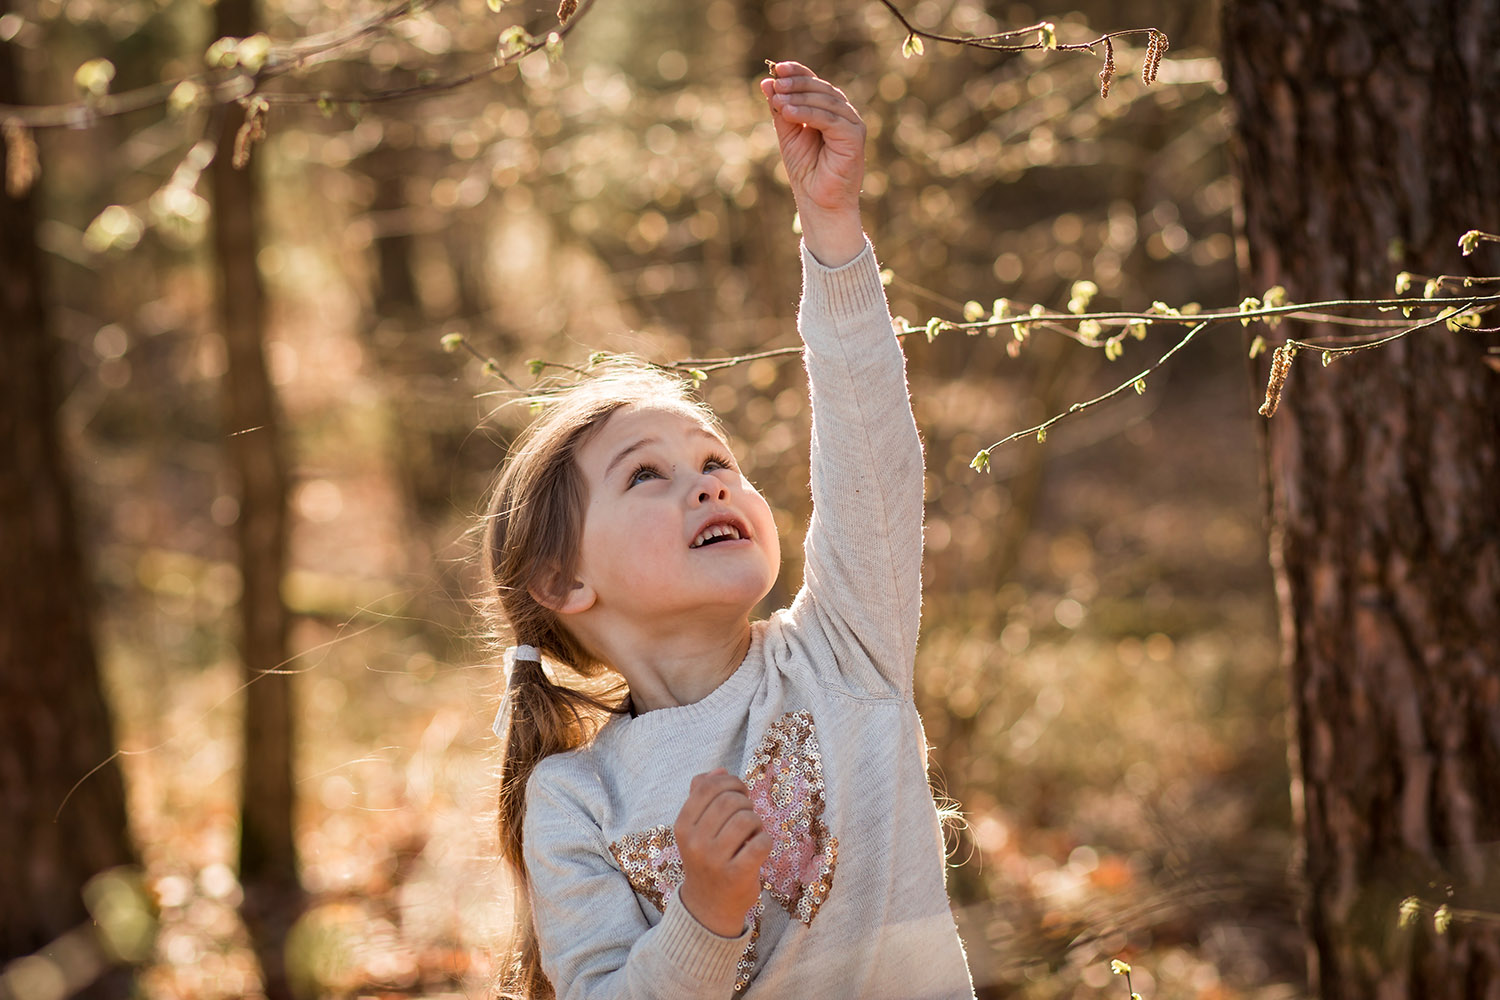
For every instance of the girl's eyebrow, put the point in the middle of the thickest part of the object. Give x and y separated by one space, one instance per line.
625 452
644 442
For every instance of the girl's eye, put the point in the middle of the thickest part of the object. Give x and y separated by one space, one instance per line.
640 475
716 462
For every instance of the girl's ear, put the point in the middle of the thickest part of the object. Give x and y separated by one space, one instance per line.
564 598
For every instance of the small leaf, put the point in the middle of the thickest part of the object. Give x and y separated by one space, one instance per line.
698 375
1041 435
1411 907
222 54
934 327
1089 328
1000 309
1469 242
452 342
495 5
1431 288
1248 304
1118 967
1442 919
1403 282
1257 346
886 277
1083 292
252 52
554 46
1137 328
1047 35
912 46
973 311
1020 331
325 105
981 462
1113 348
1275 297
514 41
1140 387
536 365
93 78
1327 358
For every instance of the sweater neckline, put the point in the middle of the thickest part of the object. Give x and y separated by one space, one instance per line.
734 691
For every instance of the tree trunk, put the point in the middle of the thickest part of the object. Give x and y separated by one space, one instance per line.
1368 141
62 799
268 855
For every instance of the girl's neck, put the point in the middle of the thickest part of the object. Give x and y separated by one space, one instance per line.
680 670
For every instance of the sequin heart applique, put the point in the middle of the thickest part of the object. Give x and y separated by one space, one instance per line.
785 778
786 790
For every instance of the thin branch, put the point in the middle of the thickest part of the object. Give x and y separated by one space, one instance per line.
222 88
994 43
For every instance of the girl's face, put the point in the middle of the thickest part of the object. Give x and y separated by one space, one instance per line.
671 528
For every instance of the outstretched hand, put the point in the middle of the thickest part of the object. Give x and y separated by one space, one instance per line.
822 141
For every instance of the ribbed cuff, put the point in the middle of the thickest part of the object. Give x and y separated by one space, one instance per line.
842 293
699 953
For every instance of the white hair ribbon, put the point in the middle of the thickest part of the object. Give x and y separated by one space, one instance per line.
530 654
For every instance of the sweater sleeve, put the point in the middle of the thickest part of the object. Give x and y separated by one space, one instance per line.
862 578
595 941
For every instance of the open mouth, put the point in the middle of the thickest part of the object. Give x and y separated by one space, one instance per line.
720 531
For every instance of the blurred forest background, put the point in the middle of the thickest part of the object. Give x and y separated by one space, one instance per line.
1099 665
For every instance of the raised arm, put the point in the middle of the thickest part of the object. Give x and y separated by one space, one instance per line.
862 577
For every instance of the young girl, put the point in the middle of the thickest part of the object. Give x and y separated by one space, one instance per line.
755 818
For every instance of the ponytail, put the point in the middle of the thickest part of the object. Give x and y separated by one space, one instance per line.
542 718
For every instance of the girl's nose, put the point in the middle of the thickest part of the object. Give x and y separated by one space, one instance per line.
712 489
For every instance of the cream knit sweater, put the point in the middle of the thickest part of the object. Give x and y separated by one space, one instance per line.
818 719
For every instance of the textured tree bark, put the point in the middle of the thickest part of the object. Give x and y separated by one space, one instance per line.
1368 138
62 799
268 853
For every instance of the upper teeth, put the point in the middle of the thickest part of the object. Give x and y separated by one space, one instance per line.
716 531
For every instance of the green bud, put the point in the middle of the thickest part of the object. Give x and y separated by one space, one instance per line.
1118 967
981 462
1257 346
911 47
1047 35
698 375
1442 919
934 327
536 365
1469 242
1140 387
1137 328
1411 906
452 342
973 311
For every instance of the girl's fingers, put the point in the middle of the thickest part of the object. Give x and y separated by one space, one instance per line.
817 118
824 102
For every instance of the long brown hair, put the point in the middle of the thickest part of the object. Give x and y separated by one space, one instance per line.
532 535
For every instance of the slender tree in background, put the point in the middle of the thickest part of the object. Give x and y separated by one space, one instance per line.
268 854
1369 138
54 726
